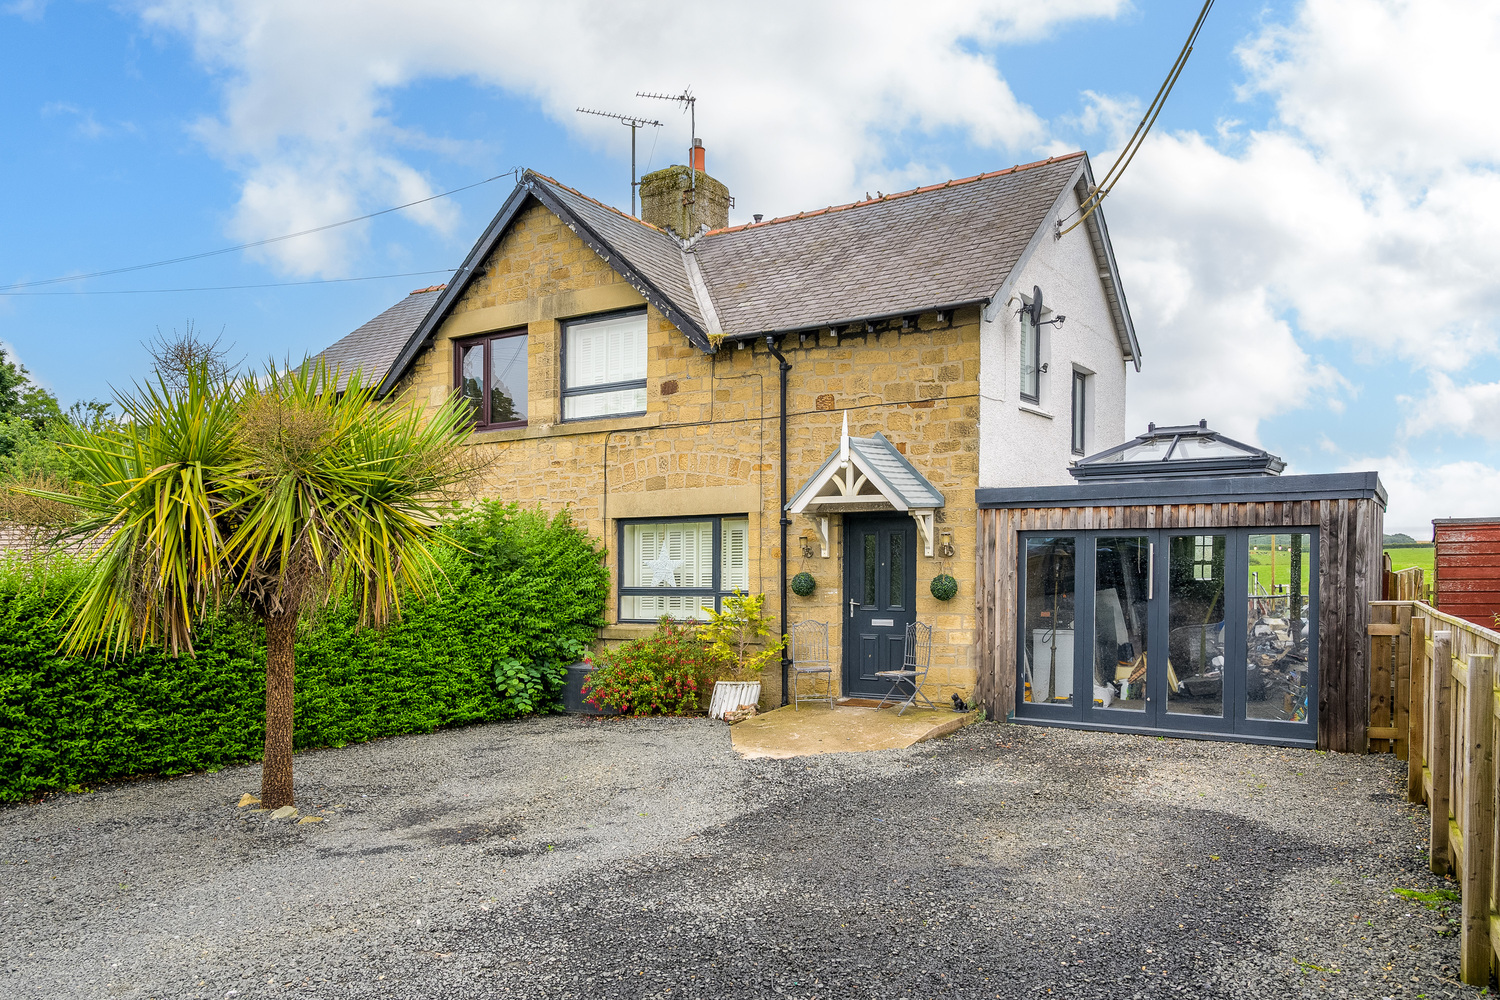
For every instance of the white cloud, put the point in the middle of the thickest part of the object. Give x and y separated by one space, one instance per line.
1364 213
1420 492
1469 409
815 90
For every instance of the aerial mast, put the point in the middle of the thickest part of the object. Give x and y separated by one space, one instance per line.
690 105
634 122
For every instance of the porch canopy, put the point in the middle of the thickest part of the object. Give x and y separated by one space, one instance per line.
867 476
1183 586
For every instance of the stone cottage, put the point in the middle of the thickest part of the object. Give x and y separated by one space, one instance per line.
730 405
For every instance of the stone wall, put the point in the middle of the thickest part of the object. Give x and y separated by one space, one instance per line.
708 442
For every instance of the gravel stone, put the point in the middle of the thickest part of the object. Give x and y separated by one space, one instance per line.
567 857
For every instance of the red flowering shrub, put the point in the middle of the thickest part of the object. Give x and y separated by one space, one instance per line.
657 675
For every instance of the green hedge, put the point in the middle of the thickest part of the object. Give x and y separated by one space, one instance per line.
514 609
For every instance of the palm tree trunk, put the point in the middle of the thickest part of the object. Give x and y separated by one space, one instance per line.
281 668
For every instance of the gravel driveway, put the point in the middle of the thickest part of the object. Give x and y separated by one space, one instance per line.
565 857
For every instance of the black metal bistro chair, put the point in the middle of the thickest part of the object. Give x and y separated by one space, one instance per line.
809 659
917 658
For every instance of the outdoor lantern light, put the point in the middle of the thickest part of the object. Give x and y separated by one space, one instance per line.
945 544
807 548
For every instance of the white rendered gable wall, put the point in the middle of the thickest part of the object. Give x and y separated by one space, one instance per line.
1025 444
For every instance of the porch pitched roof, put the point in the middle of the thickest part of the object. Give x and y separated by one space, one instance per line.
875 474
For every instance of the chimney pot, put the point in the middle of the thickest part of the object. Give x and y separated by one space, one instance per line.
758 216
698 156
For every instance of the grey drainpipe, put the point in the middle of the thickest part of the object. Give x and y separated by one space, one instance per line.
786 522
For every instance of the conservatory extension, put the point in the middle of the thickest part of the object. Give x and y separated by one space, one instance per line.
1182 586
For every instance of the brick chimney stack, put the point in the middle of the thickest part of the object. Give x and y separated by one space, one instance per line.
685 200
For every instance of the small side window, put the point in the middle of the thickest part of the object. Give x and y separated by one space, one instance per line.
1080 412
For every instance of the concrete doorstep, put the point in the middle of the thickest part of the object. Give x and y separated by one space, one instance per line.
814 729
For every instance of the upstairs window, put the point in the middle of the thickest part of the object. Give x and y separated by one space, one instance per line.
1080 411
604 366
1031 354
490 373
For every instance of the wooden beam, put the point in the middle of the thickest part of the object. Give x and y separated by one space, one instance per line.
1416 696
1382 629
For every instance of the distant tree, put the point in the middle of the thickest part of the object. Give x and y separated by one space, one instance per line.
1399 538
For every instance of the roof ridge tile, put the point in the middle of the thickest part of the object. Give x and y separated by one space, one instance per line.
895 194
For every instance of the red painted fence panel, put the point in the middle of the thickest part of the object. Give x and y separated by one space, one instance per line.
1466 577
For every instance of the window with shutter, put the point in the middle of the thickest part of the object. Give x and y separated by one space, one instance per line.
681 567
604 366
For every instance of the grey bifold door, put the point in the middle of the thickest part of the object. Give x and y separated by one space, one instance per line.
880 579
1205 632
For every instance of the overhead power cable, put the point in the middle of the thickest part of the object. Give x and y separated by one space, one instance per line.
253 244
230 288
1101 190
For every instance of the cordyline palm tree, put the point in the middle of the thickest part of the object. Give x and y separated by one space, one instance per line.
280 492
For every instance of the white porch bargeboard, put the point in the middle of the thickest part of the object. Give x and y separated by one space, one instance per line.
868 475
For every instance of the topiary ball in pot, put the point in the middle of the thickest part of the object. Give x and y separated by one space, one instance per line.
803 584
944 587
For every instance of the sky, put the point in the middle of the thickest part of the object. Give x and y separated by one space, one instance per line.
1309 240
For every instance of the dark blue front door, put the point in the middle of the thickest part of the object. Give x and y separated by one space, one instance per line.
880 579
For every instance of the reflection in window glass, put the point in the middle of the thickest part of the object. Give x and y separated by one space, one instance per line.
1277 627
898 569
508 380
1195 624
870 563
471 379
1047 634
1122 571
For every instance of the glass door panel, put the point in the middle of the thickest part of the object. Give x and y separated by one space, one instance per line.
1280 610
1196 581
1047 621
1122 591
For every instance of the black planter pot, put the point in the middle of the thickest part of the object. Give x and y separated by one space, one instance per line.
574 702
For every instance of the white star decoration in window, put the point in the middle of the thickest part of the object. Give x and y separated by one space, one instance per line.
664 570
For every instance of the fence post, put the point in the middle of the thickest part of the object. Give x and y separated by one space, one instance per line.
1479 823
1416 700
1401 697
1442 750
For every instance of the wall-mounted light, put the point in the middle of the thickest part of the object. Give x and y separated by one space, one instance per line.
945 544
807 546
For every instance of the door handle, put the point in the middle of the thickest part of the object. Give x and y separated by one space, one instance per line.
853 604
1150 571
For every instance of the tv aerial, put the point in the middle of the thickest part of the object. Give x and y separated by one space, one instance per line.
689 104
634 122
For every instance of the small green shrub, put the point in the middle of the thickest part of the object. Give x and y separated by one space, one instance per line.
803 584
657 675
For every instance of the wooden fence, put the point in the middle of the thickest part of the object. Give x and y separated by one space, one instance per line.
1433 701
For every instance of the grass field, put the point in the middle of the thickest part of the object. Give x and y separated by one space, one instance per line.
1273 563
1421 557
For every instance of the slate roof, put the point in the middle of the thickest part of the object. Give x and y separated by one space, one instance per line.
946 245
373 347
935 247
893 475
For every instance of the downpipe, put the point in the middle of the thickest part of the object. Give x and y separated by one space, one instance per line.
786 522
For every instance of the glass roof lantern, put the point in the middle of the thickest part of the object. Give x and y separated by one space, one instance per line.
1191 451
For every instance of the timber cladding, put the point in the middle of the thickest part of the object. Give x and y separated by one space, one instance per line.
1349 576
1466 568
